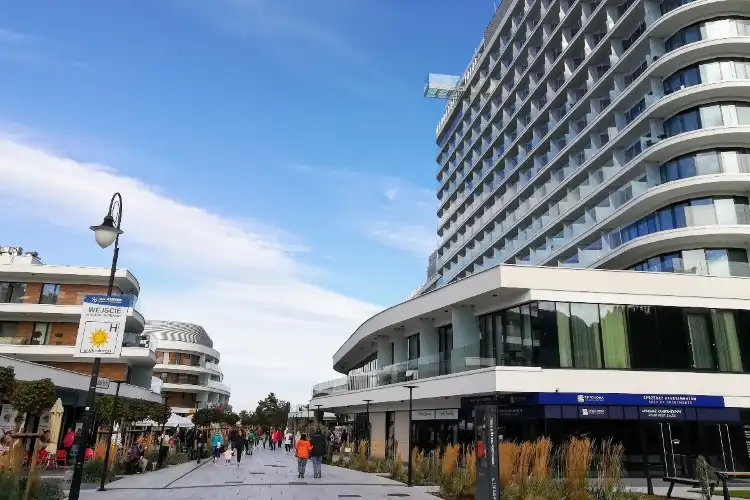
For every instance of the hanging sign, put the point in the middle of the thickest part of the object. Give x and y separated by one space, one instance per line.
102 326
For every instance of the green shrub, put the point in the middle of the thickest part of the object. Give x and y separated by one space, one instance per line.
13 487
92 471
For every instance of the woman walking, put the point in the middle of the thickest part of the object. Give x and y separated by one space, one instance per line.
216 442
288 437
303 450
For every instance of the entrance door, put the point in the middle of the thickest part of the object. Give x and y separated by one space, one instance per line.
727 451
674 450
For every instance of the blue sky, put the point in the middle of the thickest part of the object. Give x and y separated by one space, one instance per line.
276 157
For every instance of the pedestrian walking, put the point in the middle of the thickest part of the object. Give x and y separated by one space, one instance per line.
288 438
318 442
302 449
216 442
250 441
200 443
240 443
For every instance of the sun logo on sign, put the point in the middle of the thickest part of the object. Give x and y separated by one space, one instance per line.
99 337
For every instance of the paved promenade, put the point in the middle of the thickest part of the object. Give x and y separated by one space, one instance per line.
267 475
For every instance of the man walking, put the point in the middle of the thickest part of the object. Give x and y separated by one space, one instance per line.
318 442
200 443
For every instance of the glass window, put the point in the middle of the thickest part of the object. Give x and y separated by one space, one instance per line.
587 350
614 336
645 353
700 341
673 341
40 334
8 332
563 334
717 262
727 342
546 333
412 347
13 293
738 264
50 293
710 116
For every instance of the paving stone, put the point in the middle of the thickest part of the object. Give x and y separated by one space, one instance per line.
266 475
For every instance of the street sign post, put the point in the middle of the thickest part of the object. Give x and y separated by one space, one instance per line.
102 326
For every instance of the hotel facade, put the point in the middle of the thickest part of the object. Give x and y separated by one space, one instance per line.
592 272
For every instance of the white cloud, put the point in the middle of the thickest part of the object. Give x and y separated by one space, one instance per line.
385 209
241 280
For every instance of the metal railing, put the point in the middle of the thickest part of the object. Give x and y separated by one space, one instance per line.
458 360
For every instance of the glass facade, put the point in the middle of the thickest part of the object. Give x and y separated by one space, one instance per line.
614 336
707 261
526 154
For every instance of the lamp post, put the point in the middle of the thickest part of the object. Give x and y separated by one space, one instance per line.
411 389
307 423
109 441
322 420
106 233
367 412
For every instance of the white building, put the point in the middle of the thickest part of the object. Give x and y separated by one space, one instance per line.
584 134
188 365
40 308
606 134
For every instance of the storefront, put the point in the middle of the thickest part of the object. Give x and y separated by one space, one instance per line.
670 430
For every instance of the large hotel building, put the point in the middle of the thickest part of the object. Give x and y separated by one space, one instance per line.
592 270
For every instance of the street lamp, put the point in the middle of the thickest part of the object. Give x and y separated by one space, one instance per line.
411 389
367 450
106 233
308 420
109 441
322 420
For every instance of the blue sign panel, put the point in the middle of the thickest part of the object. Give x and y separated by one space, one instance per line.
663 413
593 412
109 300
572 398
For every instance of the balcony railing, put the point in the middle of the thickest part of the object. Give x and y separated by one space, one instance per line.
219 385
142 340
458 360
213 366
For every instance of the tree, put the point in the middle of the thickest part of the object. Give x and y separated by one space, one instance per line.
272 411
136 411
34 397
207 416
109 409
231 418
159 413
246 418
7 383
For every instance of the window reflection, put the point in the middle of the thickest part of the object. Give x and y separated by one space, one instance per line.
714 262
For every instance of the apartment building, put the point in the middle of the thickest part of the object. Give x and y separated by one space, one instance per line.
40 308
592 273
188 365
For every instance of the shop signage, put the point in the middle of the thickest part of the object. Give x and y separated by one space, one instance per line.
102 326
653 413
488 480
593 412
423 415
102 382
572 398
746 430
506 413
450 414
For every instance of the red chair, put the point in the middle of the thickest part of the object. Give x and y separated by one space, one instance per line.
42 458
88 454
61 458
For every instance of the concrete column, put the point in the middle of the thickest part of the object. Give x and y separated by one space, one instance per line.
429 347
465 339
385 357
377 426
465 327
399 349
429 342
402 430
